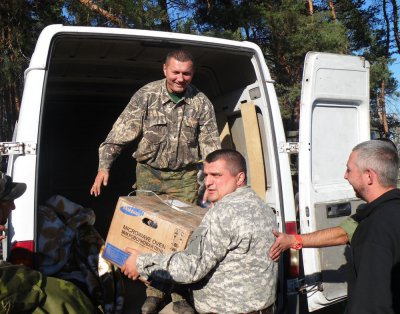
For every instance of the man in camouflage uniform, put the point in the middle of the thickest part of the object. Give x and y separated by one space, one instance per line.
23 290
227 256
176 126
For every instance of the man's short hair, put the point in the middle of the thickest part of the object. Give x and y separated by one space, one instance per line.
180 55
235 161
380 156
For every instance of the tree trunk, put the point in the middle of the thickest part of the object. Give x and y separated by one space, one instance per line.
387 42
396 24
165 22
16 100
209 5
378 109
385 123
10 104
310 7
109 16
332 8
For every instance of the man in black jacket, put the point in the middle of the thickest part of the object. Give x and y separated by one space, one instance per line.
374 283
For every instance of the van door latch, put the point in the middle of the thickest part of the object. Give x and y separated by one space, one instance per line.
17 148
289 147
298 286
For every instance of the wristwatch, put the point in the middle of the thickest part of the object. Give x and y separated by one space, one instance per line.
298 244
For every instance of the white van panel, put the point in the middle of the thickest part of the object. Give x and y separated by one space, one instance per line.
334 118
281 162
23 168
24 171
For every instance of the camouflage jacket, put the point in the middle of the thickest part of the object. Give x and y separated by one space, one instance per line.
24 290
68 247
172 135
16 288
226 259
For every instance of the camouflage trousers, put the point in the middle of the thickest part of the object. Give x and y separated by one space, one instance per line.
23 290
181 184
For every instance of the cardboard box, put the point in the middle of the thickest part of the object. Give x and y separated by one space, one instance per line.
150 224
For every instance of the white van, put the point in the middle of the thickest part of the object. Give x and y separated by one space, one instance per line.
81 78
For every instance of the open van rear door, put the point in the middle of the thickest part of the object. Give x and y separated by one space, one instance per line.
334 117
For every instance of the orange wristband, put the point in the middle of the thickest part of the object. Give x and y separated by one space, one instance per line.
299 242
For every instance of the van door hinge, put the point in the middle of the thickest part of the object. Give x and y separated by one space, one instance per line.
289 147
17 148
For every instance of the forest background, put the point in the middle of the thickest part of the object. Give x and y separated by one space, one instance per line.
285 30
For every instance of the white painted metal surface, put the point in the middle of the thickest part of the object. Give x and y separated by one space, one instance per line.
334 118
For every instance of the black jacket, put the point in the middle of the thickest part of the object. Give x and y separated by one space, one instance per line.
374 286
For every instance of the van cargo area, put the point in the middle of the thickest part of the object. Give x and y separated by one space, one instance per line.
91 77
90 80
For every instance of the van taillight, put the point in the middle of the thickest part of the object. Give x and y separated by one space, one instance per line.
22 253
294 256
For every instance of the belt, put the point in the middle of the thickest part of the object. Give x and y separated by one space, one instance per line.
268 310
189 167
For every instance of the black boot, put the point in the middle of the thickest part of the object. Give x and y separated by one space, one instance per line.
152 305
182 307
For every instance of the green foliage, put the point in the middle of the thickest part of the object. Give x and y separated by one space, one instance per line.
291 32
358 20
20 24
141 14
284 29
379 71
226 16
15 34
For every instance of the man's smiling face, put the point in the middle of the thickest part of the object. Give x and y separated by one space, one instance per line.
178 74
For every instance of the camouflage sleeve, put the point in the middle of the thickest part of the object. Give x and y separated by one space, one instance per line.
24 290
208 245
125 130
349 225
17 288
208 136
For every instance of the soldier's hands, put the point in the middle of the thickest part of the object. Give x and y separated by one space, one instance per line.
101 179
129 268
283 242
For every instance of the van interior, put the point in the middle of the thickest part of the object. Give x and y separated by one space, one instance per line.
91 79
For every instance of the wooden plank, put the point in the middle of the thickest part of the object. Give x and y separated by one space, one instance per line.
224 131
255 160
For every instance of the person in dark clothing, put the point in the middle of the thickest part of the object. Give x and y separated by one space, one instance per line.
24 290
374 283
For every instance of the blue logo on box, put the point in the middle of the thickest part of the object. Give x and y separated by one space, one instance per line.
115 255
131 211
